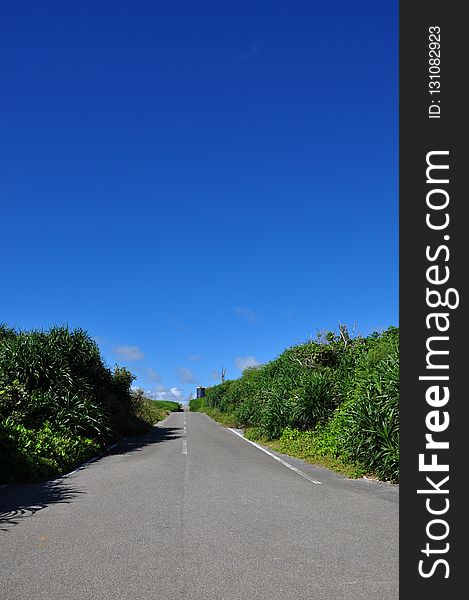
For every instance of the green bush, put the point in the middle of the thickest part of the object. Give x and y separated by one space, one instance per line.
59 401
30 455
148 412
371 415
341 392
197 404
56 375
168 405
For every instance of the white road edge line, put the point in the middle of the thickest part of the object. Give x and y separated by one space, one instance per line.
184 446
89 461
283 462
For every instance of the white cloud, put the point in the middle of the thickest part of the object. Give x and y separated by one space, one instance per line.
243 362
185 375
246 314
129 352
159 392
194 357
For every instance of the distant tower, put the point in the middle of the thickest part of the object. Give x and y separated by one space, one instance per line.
223 373
200 390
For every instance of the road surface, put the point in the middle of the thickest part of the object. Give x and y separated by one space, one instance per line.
193 511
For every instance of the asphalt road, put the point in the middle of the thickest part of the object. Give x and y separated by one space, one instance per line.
192 511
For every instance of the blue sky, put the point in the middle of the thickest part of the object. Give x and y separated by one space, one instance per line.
199 183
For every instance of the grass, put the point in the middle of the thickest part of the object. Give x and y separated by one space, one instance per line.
303 448
150 412
224 418
168 405
298 448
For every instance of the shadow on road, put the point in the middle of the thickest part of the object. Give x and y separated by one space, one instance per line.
19 501
138 442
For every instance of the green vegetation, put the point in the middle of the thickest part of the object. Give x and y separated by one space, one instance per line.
333 401
165 405
60 404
